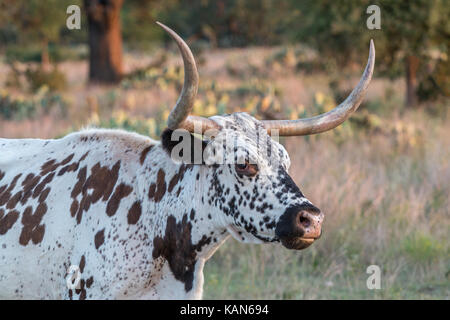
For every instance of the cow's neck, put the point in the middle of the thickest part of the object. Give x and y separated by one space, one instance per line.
187 229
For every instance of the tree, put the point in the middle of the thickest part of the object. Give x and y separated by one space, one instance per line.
38 21
410 30
105 40
225 23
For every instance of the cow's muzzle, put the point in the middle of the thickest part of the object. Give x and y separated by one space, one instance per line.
299 226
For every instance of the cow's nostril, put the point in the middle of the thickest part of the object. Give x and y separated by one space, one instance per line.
304 221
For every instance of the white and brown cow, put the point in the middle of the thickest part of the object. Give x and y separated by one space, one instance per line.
138 222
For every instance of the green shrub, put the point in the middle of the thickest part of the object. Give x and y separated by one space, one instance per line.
422 248
436 84
23 53
54 80
19 108
67 53
56 53
15 109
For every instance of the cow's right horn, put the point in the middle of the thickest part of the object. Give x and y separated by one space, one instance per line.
330 119
179 116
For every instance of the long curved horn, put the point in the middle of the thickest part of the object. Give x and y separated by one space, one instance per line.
330 119
179 116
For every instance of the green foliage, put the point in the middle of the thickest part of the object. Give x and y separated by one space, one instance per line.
222 23
408 28
436 83
336 30
33 28
339 30
54 80
23 54
422 248
60 53
16 109
20 108
37 20
33 53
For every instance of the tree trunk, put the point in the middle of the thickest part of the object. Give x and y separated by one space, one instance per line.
105 40
412 64
45 57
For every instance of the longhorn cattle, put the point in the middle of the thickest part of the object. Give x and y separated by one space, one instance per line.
109 214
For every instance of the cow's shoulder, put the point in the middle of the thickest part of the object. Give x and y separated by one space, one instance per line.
119 138
116 143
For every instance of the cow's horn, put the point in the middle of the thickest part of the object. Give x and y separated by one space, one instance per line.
179 116
330 119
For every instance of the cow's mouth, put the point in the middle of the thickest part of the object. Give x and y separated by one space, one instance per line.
297 243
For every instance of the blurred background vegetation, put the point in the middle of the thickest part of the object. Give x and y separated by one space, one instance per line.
413 42
383 177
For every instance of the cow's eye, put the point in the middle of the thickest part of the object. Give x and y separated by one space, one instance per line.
246 169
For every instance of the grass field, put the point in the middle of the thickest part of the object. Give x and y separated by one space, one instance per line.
382 180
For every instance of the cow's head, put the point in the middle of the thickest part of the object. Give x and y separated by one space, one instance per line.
246 170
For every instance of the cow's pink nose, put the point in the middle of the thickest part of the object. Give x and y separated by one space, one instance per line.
311 222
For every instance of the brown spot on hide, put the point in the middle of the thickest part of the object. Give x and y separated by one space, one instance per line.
32 229
14 200
99 185
82 291
135 213
8 220
37 191
52 165
89 282
5 191
144 154
122 191
99 238
49 166
72 167
178 176
44 195
176 247
28 185
82 263
158 190
74 208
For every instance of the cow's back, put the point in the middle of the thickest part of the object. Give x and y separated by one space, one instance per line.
58 203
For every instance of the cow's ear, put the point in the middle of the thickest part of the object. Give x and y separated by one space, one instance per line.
168 144
166 140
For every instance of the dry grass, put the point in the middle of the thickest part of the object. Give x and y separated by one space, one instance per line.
385 192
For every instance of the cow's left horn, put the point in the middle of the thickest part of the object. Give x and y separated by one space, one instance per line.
179 116
330 119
